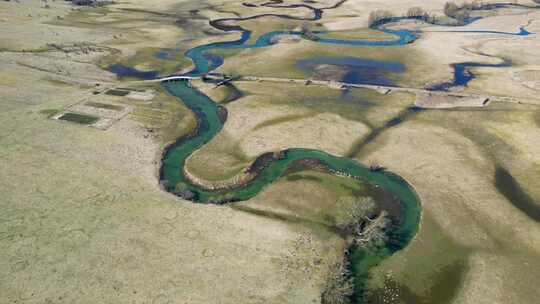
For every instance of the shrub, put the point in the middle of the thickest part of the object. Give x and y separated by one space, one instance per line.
379 17
183 191
374 234
352 210
415 12
339 285
475 5
461 14
91 2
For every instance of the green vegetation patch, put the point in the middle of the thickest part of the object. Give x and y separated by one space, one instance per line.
445 285
430 271
49 112
115 92
321 206
106 106
164 115
79 118
132 90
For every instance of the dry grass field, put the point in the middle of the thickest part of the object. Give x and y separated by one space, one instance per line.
84 219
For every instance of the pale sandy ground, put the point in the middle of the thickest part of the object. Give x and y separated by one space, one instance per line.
84 220
430 101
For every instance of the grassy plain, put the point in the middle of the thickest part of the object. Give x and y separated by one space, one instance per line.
84 219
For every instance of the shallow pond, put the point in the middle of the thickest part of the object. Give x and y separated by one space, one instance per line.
351 69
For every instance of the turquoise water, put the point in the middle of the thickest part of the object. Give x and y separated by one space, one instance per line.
210 124
205 61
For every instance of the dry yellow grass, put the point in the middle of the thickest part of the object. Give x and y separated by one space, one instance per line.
84 220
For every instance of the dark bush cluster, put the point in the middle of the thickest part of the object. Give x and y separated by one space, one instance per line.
91 2
460 13
379 17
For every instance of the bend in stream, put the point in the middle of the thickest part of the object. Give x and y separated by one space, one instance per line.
463 75
271 166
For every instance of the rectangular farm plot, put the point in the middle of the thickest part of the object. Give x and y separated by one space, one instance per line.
106 106
82 119
100 114
116 92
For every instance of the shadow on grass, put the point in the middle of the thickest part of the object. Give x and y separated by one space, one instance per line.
510 188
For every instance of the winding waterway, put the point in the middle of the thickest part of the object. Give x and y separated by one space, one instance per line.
271 166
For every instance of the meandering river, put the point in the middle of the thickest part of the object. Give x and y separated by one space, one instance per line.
271 167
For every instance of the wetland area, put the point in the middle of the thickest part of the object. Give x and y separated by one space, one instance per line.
330 151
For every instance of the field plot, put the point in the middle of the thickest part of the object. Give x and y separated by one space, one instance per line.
95 114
